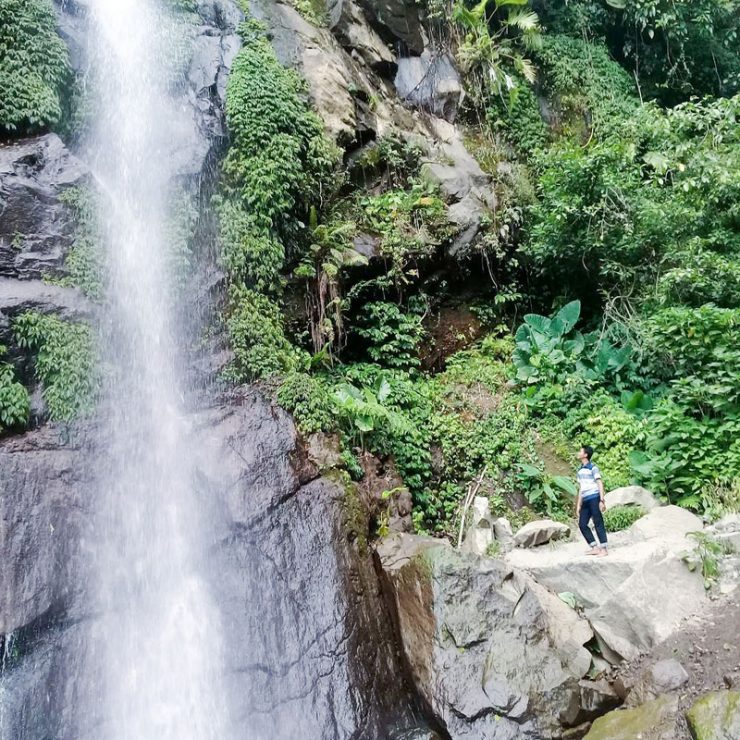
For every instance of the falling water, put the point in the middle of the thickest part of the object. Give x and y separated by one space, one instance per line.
155 656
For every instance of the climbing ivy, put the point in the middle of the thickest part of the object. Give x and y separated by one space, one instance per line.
66 362
14 401
34 66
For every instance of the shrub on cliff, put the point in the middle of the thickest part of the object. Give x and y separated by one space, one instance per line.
34 67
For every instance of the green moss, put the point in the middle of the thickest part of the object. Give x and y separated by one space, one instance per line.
655 718
255 325
66 362
716 715
34 66
355 514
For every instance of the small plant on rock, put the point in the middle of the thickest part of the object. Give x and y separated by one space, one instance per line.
622 517
706 555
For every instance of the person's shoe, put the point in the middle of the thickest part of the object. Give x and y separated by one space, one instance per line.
602 552
592 551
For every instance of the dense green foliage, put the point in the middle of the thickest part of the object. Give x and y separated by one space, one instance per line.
279 164
34 67
611 262
14 401
674 49
65 360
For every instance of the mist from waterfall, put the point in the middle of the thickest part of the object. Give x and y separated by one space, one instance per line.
155 657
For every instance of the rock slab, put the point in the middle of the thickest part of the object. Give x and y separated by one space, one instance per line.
624 595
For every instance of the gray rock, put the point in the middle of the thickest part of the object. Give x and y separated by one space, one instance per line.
631 496
348 23
661 678
479 534
715 716
367 245
540 532
36 228
727 531
491 651
43 484
624 595
597 698
398 20
503 533
430 82
331 74
324 451
654 720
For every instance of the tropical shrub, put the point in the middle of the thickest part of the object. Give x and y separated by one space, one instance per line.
66 362
622 517
548 349
34 67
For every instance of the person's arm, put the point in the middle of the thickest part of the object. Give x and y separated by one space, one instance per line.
578 504
602 499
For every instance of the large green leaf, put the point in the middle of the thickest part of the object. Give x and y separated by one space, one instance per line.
567 317
540 324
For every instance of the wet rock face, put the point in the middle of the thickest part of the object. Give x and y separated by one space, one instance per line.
202 89
310 647
494 654
43 484
35 226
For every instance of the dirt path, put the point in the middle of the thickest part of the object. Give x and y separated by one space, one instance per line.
707 646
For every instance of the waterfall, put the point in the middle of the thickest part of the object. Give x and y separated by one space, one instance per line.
156 654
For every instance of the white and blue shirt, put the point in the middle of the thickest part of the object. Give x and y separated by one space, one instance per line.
588 475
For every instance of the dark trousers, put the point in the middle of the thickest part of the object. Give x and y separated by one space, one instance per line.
590 511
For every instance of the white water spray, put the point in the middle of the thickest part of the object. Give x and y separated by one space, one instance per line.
156 654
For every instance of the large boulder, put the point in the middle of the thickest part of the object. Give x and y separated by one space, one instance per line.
540 532
493 653
631 496
625 595
430 82
36 226
715 716
654 720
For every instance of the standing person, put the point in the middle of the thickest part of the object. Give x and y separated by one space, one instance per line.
590 504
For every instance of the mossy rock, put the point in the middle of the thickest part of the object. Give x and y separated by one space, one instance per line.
715 716
653 720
